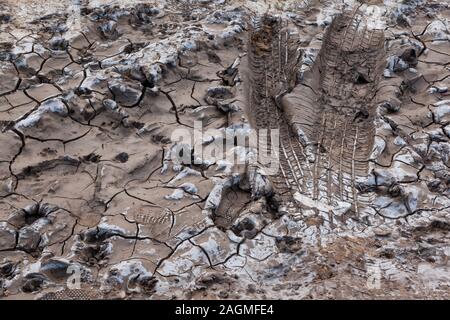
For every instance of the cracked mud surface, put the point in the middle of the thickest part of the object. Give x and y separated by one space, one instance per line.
359 207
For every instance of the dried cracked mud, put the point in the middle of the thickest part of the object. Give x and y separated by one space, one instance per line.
94 204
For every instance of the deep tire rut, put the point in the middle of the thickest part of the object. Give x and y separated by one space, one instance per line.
326 122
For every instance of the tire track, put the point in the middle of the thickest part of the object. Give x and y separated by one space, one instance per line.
271 64
326 122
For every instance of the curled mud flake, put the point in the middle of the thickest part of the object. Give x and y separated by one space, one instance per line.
8 270
60 44
109 31
439 30
245 227
288 244
410 57
396 64
92 254
392 105
396 190
189 187
33 282
229 74
216 94
437 89
110 104
147 283
7 237
28 239
129 277
122 157
379 146
186 172
54 106
143 14
403 20
220 188
259 184
126 94
441 112
100 234
177 194
55 269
